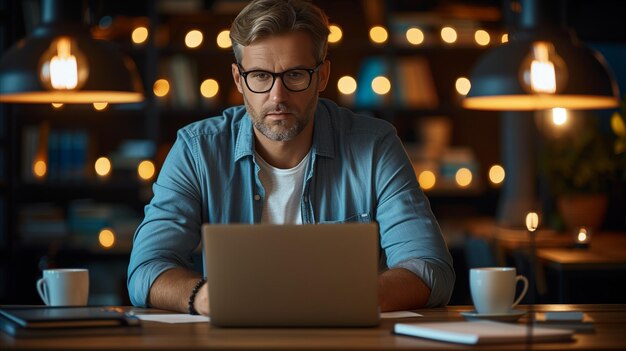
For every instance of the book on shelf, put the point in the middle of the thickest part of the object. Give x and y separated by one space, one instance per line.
40 321
481 332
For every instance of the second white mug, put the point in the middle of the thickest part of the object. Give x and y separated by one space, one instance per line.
64 287
493 289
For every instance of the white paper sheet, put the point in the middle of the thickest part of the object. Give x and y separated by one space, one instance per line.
400 314
172 318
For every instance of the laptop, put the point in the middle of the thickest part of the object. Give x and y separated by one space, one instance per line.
314 275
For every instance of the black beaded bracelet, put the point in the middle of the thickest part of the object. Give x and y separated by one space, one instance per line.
192 298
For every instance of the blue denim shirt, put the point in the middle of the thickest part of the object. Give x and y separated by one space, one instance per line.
358 171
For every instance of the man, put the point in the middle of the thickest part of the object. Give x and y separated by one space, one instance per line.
287 157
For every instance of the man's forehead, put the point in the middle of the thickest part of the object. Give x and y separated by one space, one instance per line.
295 46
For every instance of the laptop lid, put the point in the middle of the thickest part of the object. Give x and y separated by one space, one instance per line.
323 275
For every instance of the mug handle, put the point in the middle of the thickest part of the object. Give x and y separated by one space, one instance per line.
42 289
521 296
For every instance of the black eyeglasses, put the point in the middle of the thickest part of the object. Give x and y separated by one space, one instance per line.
295 80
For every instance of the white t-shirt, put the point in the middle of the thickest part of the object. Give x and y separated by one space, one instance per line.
283 192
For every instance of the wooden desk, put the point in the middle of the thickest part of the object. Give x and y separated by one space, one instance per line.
610 327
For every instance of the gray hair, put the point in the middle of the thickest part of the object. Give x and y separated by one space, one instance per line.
263 18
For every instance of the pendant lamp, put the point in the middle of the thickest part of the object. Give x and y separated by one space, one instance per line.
542 66
59 62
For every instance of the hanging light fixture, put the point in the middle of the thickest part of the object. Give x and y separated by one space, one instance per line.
542 66
61 63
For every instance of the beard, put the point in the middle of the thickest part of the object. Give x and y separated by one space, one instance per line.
282 130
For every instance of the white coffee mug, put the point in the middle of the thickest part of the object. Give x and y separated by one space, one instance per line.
493 289
64 287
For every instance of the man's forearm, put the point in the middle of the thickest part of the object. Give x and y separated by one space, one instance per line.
400 289
171 290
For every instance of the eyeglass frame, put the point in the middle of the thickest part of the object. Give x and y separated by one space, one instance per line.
310 71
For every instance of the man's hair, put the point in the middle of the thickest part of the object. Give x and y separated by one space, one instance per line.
264 18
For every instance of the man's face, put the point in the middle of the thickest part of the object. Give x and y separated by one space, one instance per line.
280 114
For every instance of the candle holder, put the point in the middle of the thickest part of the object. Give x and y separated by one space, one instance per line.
582 237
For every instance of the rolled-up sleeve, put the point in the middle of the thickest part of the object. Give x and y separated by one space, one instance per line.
170 230
410 234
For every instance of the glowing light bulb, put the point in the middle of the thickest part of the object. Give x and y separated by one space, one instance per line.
543 71
223 39
381 85
161 87
496 174
427 180
63 66
194 38
40 168
463 177
559 116
448 34
378 34
415 36
463 85
346 85
335 34
106 238
482 37
532 221
146 170
102 166
209 88
139 35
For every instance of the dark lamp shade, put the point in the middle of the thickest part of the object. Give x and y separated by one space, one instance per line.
112 77
496 83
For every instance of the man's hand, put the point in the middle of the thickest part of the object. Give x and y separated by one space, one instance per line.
201 303
399 289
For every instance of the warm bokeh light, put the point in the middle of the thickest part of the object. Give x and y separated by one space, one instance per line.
617 124
448 34
463 177
40 168
146 170
335 34
140 35
381 85
99 106
462 85
504 38
496 174
57 105
106 238
582 235
193 39
532 221
346 85
427 180
102 166
223 39
161 87
482 37
415 36
559 116
209 88
378 34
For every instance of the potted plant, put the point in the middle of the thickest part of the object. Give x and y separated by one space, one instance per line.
581 168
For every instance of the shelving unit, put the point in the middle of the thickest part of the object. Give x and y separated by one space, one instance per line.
157 119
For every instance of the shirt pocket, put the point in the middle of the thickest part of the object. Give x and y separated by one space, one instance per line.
357 218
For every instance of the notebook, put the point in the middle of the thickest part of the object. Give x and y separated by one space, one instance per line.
31 321
323 275
481 332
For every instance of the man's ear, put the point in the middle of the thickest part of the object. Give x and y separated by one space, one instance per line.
236 77
324 75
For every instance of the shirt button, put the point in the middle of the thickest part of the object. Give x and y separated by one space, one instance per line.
257 197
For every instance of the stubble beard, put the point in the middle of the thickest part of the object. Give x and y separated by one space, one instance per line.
283 130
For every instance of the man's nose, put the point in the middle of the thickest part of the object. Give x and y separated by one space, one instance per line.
278 93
